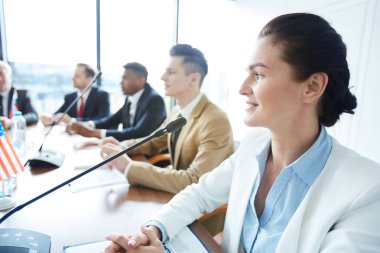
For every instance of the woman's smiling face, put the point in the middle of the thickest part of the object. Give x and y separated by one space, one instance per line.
273 95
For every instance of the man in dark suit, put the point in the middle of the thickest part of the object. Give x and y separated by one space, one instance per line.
142 112
94 103
12 100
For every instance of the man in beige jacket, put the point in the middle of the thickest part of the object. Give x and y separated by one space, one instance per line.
203 143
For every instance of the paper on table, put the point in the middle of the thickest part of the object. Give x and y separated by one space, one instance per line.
81 142
86 158
186 242
98 178
91 247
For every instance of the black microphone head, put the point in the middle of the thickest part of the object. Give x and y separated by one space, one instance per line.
175 124
171 127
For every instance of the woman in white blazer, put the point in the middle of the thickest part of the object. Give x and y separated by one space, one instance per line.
297 85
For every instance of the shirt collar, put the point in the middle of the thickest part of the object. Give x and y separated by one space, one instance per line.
85 95
188 109
135 97
310 164
262 155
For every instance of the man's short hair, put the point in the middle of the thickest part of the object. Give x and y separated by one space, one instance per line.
88 70
193 59
138 68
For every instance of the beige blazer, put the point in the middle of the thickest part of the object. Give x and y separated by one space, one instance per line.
204 142
340 212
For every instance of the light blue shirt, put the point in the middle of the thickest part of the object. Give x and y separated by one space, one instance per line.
261 235
164 234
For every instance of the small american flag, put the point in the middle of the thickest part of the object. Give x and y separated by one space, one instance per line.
10 164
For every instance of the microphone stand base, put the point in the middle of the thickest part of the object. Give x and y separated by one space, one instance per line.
6 203
47 159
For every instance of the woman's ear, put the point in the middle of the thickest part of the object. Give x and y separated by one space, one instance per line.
315 86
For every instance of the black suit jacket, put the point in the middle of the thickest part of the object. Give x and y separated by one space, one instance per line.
97 105
150 113
24 105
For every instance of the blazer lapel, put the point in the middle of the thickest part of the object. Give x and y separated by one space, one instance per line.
90 100
289 241
125 114
173 115
10 98
245 174
304 232
140 103
197 112
243 180
182 135
298 234
73 110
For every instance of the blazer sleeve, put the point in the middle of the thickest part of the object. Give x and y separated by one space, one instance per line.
153 115
100 106
216 145
211 192
26 107
152 147
111 121
358 229
104 106
64 105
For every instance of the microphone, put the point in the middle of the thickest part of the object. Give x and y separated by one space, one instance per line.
170 127
50 158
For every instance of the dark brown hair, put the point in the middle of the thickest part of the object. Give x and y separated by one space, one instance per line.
310 45
88 70
193 59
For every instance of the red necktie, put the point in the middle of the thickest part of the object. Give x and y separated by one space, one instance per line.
81 108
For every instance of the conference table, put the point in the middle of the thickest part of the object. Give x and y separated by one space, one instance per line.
100 203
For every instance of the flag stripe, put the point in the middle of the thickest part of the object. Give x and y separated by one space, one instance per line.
4 169
10 163
5 166
15 156
8 158
6 162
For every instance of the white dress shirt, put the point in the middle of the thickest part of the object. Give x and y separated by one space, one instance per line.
134 99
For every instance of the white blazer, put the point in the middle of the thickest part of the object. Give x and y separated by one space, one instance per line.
340 212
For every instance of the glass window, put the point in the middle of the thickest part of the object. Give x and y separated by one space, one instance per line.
135 31
45 40
211 26
53 36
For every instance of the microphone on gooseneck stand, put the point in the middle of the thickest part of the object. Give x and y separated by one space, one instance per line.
170 127
51 158
19 240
